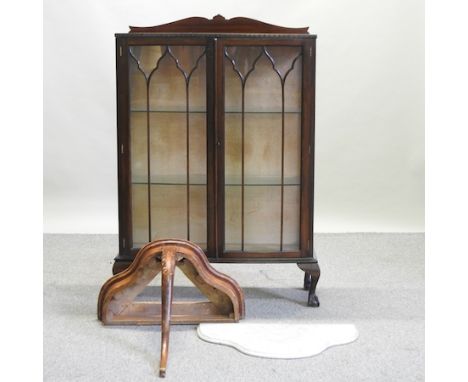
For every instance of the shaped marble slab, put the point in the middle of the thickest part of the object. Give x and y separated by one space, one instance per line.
274 340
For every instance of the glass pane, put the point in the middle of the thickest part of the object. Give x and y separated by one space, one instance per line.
197 149
168 142
292 205
262 147
168 211
140 214
139 152
292 148
168 159
232 149
262 218
198 227
233 218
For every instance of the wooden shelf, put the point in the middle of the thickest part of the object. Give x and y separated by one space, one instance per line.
226 112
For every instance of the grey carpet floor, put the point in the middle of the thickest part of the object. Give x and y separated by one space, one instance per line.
375 281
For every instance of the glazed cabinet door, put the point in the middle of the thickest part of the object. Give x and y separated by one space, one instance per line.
264 155
163 138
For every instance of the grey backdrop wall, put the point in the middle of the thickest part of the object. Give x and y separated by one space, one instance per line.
369 122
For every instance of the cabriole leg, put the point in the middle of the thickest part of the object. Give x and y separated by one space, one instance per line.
307 280
168 261
311 278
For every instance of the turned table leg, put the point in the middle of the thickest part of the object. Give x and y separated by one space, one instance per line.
168 261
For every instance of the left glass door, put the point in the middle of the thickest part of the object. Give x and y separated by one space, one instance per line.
168 135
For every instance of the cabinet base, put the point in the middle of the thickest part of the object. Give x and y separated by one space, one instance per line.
120 265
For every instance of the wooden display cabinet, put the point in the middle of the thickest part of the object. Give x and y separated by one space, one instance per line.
216 140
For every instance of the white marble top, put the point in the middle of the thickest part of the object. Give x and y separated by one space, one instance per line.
278 340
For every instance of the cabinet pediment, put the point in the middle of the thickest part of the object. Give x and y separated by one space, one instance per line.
218 24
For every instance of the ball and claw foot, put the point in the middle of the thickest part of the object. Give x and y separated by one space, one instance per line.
313 300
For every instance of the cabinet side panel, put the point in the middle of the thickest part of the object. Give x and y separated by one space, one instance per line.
307 150
312 145
123 155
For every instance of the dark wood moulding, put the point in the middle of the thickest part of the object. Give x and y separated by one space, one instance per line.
218 24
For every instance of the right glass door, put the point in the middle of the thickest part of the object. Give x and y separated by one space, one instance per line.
262 148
